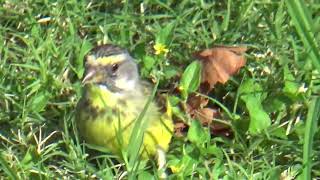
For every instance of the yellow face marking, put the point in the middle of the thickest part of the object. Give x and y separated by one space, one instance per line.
113 59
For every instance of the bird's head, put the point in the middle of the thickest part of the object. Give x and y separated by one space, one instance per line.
112 68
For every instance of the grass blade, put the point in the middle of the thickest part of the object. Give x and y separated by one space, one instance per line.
136 138
311 127
302 21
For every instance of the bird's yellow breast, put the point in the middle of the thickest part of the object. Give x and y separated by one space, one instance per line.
107 120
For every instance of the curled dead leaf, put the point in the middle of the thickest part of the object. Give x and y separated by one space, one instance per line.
207 115
220 62
180 128
196 101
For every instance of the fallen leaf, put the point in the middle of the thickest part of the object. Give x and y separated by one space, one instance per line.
206 115
219 129
180 129
219 63
197 101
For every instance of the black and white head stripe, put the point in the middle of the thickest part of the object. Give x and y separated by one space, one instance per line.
107 50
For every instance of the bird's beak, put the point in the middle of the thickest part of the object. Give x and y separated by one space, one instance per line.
88 77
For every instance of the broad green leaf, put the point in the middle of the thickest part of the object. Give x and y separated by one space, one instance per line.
174 105
139 50
215 151
280 133
290 86
184 166
190 79
148 62
259 119
217 169
164 35
146 175
196 133
39 101
277 102
170 71
250 87
251 94
299 130
274 172
30 158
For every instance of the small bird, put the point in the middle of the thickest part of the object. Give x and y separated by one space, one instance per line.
113 98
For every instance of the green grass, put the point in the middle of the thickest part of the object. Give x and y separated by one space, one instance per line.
41 69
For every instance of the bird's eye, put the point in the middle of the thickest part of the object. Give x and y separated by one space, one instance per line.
114 67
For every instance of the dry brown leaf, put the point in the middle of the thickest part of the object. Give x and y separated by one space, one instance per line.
220 62
180 128
219 129
197 101
206 115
